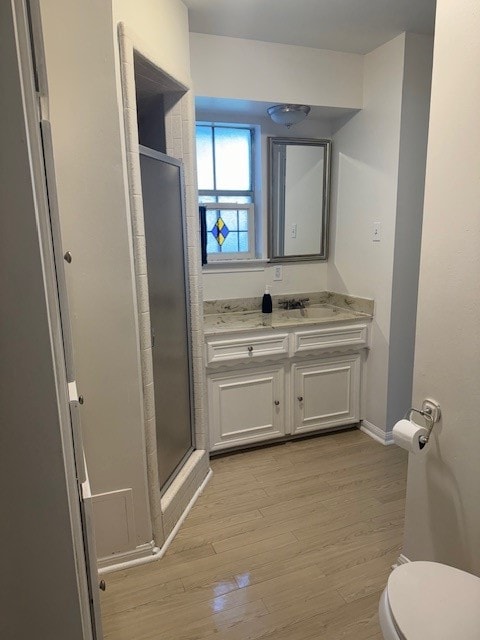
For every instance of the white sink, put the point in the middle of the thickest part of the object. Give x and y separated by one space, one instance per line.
310 312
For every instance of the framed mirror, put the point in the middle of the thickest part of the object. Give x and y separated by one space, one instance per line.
299 195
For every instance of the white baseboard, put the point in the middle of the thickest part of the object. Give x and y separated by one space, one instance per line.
154 553
188 508
402 559
179 494
379 435
125 558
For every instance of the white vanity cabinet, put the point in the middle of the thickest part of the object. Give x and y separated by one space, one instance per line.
270 384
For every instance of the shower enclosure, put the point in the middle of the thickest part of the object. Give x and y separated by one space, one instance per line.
164 215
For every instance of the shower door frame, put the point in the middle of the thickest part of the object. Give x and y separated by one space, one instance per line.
157 155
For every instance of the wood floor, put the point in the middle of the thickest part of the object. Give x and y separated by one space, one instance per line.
289 542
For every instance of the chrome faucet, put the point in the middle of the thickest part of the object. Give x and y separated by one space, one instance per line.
293 303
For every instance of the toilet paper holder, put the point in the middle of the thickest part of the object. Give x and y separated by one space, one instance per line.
431 412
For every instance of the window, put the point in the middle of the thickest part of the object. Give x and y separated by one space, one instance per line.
225 186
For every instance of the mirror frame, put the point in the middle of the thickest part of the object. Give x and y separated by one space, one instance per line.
325 209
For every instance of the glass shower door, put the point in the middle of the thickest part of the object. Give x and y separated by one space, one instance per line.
163 204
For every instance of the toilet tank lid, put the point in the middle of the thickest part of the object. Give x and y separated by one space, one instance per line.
432 601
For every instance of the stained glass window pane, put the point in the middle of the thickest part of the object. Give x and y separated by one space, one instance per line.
230 244
243 220
204 157
227 231
211 218
232 159
212 244
229 216
243 241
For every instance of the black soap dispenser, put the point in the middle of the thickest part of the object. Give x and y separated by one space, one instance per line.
267 302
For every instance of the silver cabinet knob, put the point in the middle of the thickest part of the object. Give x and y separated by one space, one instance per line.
250 349
102 585
277 402
81 399
300 398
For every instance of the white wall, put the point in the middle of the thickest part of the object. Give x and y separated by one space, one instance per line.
89 151
378 169
268 72
408 223
162 26
365 172
443 496
250 283
95 228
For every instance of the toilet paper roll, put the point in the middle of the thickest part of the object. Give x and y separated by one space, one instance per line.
407 435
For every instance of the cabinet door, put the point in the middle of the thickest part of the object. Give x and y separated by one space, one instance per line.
246 406
327 393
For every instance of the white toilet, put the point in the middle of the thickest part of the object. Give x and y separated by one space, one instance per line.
430 601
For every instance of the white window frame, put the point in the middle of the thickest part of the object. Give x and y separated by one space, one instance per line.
237 256
218 193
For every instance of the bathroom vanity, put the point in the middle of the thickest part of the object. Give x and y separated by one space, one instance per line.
291 372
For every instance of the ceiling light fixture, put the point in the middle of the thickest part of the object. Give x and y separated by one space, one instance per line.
288 114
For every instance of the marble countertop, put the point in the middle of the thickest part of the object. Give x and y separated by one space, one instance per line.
236 321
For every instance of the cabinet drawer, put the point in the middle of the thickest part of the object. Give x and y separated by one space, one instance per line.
246 348
330 338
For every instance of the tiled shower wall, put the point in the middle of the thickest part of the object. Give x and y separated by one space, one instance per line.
179 129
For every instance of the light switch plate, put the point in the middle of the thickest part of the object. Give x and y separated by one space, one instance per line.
377 232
